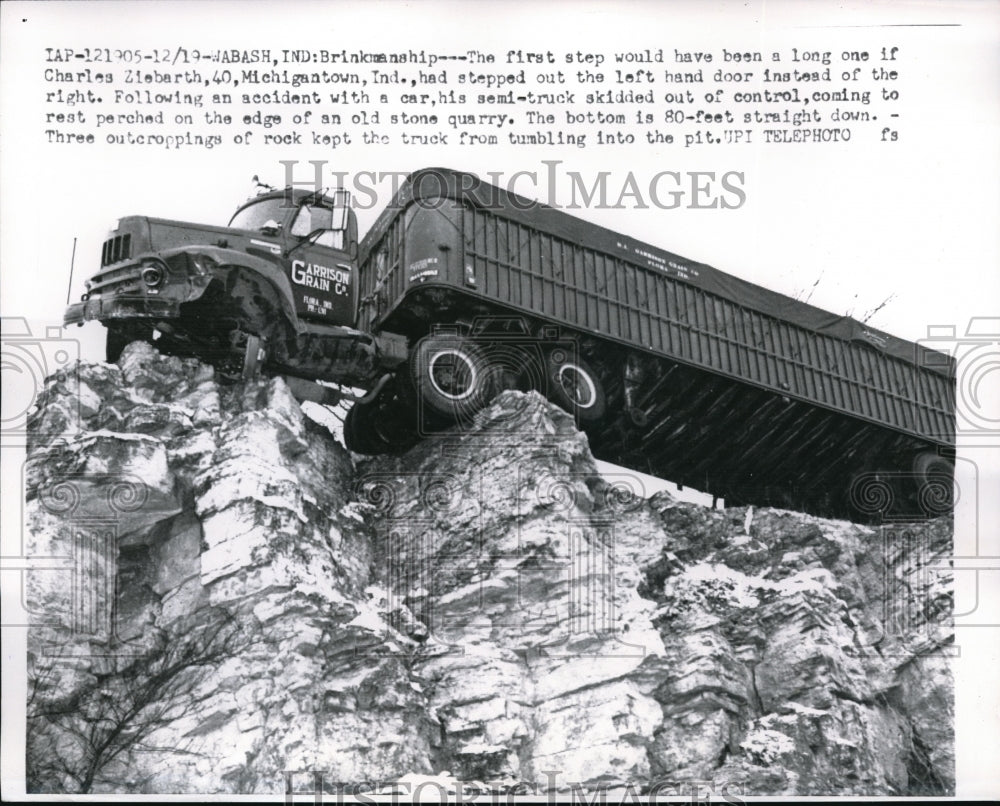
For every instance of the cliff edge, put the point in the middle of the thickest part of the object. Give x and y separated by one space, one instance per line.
248 608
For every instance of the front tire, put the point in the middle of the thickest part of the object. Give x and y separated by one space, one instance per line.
373 428
121 335
358 436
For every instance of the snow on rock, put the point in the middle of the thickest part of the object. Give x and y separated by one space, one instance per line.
242 607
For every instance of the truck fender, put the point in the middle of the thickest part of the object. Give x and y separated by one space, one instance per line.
228 259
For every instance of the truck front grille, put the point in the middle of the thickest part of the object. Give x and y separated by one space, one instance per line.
115 249
123 280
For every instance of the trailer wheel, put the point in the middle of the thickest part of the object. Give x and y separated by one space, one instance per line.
934 476
575 387
452 376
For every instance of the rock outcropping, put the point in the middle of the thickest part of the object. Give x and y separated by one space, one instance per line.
250 608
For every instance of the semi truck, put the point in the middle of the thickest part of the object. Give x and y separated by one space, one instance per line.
462 289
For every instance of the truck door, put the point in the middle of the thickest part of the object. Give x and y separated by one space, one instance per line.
321 265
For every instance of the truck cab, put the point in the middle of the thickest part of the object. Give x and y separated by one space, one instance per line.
281 276
315 239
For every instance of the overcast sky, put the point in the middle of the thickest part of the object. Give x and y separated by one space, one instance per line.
913 222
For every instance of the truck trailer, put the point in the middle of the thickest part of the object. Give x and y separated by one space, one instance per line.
461 289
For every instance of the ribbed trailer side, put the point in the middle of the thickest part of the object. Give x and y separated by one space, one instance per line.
499 261
536 272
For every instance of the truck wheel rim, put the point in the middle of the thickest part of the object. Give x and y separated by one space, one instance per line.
455 379
578 385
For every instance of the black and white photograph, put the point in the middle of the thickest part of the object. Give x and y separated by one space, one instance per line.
581 402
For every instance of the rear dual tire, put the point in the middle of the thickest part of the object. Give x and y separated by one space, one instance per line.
454 377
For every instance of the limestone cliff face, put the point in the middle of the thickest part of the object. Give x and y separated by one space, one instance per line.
248 607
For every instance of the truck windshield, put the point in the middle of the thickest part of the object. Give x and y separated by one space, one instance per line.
254 216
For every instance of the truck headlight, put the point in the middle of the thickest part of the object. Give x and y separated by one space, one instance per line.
152 276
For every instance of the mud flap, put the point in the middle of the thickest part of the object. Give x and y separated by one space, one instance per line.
253 357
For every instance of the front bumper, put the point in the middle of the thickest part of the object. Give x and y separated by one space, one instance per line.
121 306
117 291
